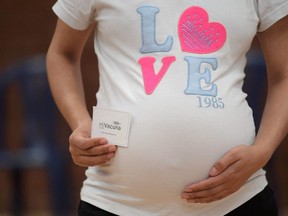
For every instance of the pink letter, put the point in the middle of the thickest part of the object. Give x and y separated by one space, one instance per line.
151 79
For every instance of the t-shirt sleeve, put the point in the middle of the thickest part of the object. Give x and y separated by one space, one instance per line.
78 14
270 11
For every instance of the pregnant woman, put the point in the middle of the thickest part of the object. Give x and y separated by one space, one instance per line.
176 68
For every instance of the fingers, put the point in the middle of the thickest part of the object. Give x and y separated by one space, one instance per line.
226 177
223 163
215 188
210 190
86 151
206 196
82 141
99 154
205 185
221 172
84 160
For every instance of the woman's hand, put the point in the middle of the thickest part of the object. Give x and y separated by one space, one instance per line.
228 174
86 151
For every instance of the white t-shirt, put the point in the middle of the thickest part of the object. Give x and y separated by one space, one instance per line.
177 67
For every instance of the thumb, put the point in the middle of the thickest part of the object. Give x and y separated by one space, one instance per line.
222 164
214 171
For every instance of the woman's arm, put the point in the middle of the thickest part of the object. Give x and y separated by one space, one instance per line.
274 124
237 165
64 75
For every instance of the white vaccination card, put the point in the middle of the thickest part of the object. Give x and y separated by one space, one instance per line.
112 125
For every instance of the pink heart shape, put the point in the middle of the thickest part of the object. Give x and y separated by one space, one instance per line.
197 35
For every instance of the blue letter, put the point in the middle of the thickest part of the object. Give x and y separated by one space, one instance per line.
148 28
195 76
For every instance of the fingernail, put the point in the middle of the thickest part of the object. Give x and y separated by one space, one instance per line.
188 190
213 171
185 196
103 141
110 155
112 148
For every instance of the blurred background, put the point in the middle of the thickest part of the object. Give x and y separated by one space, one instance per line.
37 175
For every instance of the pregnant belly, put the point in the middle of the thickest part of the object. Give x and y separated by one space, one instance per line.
165 156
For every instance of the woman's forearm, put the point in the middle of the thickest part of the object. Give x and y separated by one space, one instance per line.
274 124
67 88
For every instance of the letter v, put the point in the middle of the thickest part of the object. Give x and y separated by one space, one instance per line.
150 78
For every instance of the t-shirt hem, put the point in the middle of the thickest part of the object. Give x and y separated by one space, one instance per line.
218 208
